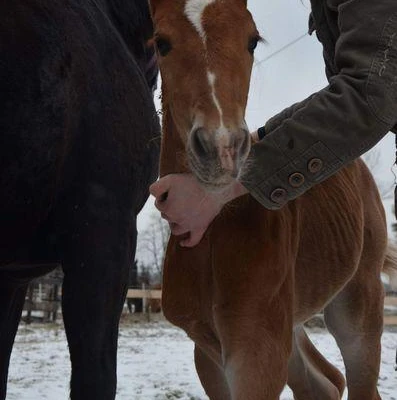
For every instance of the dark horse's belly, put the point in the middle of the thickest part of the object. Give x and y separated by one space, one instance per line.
75 113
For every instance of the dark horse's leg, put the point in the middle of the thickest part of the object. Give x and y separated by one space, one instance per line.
13 285
96 264
12 298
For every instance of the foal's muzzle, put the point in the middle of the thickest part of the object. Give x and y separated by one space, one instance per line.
217 157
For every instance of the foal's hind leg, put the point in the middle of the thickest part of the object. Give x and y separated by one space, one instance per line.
211 376
310 375
12 298
354 318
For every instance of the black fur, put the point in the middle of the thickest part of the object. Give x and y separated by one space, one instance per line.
78 150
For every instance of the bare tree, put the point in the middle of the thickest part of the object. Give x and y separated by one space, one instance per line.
152 243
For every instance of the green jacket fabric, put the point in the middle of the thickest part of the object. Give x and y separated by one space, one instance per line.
311 140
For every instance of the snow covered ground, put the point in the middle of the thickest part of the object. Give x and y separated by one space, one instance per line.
155 363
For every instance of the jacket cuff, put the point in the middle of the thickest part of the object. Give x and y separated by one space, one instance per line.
261 132
293 179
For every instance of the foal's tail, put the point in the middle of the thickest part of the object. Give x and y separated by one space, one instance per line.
390 264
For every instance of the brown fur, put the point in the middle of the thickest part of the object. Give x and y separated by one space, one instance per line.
243 293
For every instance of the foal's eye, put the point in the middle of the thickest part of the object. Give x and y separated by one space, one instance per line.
163 46
252 43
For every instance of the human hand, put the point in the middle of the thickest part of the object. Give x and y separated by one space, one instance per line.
187 207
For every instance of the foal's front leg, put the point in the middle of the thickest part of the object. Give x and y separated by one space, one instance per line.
211 375
253 300
253 321
255 354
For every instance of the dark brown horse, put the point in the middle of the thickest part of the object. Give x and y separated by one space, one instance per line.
244 293
77 153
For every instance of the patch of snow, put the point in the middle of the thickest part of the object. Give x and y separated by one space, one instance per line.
155 362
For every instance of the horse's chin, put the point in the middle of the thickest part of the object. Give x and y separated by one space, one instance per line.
210 174
214 183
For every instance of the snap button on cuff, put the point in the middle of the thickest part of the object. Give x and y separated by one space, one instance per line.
315 165
278 196
296 179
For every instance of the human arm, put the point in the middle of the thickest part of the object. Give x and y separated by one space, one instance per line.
340 122
275 121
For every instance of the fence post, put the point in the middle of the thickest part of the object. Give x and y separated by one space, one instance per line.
144 300
30 304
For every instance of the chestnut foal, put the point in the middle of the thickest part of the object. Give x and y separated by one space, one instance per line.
243 293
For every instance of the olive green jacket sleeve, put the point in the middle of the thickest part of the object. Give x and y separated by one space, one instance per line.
278 119
312 140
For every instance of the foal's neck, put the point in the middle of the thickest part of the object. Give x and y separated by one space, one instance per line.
173 152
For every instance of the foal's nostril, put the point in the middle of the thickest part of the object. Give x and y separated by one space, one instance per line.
198 143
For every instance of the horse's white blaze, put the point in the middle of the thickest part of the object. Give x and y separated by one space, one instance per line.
221 131
194 10
226 153
211 80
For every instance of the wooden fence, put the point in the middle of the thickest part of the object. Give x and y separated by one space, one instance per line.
156 294
144 294
150 301
390 317
147 294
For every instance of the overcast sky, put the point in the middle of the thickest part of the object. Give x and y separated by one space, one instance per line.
287 69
